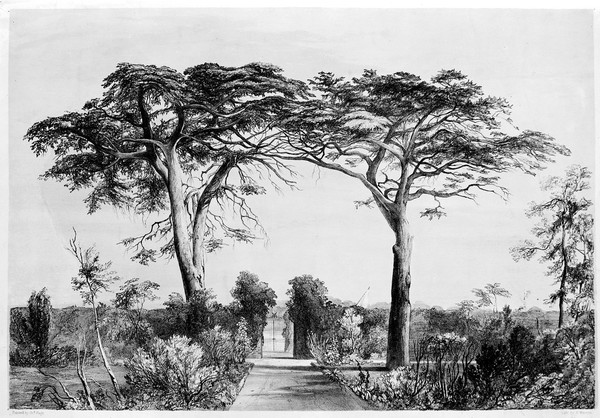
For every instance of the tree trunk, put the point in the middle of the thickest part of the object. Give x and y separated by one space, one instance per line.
83 379
105 361
398 329
201 214
563 279
199 229
192 278
301 350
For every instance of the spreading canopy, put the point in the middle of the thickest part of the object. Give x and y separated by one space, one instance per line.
159 139
405 138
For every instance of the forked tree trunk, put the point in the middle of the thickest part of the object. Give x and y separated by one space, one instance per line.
82 377
86 387
398 329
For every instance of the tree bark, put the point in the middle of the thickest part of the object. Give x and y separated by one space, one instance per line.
201 214
83 379
198 252
398 328
192 278
301 350
105 361
563 278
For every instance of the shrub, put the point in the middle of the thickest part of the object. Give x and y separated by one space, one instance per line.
401 388
513 369
242 343
30 331
310 311
350 332
218 346
253 300
192 317
175 373
123 334
510 366
325 350
442 322
40 316
375 342
572 385
222 348
373 335
437 380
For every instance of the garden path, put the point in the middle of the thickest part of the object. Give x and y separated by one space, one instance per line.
281 383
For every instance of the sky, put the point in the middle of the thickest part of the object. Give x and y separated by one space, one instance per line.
540 60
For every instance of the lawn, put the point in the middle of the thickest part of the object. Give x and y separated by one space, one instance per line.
24 379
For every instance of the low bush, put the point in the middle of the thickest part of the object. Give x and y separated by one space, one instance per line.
326 351
223 348
512 370
181 374
60 356
510 366
188 318
174 373
571 385
374 342
436 381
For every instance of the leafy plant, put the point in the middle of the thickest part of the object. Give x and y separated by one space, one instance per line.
509 366
31 332
326 351
252 301
191 317
223 348
93 278
175 371
181 374
563 238
131 298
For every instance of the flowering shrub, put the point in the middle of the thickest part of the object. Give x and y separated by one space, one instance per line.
401 388
326 351
174 373
242 342
343 345
217 345
349 325
437 380
222 348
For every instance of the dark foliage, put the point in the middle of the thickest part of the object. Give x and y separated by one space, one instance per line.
311 312
252 301
187 318
30 329
441 322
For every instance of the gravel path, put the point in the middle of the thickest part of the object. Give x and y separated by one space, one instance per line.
286 384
